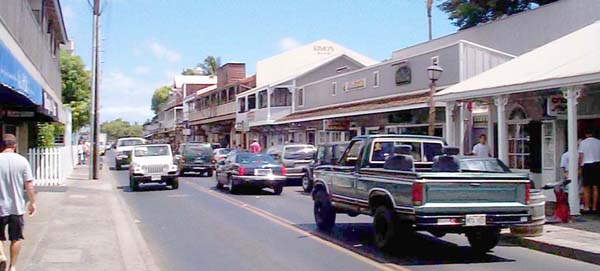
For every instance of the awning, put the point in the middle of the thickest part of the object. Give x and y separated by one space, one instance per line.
571 60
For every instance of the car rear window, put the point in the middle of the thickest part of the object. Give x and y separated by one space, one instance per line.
197 149
130 142
299 153
248 158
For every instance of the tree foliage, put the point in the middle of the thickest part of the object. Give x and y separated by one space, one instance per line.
159 97
119 128
210 65
469 13
76 91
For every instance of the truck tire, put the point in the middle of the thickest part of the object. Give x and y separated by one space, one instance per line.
323 211
233 189
278 189
307 185
387 228
483 240
175 184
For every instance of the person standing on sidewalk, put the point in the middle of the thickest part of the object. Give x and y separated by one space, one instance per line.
589 150
481 149
255 146
15 178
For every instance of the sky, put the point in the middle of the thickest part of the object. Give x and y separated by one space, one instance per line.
144 43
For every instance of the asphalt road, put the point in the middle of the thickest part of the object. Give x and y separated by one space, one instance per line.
198 227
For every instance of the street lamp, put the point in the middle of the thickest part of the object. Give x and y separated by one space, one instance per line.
434 72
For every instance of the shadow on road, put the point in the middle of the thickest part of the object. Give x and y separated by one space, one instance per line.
424 250
145 188
247 191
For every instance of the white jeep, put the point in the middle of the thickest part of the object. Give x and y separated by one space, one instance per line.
152 164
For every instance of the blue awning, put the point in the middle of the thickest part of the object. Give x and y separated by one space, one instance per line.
14 76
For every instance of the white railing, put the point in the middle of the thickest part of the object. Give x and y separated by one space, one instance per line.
50 166
213 111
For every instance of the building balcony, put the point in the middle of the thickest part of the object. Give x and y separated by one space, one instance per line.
263 116
213 111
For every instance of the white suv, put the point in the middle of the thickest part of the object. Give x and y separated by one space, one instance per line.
124 147
152 164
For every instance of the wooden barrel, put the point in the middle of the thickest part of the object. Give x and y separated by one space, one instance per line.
537 205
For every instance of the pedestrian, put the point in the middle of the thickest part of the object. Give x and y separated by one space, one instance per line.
564 165
589 150
16 178
255 146
481 149
81 152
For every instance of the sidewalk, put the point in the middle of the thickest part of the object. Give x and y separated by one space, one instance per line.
83 226
578 240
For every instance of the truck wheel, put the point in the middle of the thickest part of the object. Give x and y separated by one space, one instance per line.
278 189
117 165
387 228
323 211
133 184
175 184
484 240
306 184
209 173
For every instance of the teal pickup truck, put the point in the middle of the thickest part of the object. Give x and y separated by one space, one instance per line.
415 183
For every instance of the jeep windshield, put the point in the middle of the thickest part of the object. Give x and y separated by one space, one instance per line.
130 142
152 151
197 150
299 153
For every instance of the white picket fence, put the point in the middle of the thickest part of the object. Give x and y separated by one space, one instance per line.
50 166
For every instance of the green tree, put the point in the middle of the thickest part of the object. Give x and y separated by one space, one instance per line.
159 97
469 13
119 128
210 65
189 71
76 90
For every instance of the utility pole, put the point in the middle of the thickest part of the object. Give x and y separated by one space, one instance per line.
429 4
94 104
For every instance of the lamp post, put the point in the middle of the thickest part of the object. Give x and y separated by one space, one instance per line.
434 72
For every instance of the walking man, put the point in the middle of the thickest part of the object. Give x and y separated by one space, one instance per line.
481 149
15 178
589 153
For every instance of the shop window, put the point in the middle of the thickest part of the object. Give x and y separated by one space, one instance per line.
518 139
333 88
251 102
262 99
300 97
323 137
242 104
281 97
376 79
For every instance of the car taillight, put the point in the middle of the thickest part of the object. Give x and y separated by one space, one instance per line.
527 190
417 194
213 160
283 170
241 171
183 159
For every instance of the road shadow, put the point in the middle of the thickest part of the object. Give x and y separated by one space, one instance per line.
424 249
246 191
145 188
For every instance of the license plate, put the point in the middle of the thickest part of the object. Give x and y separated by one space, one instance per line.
155 177
198 167
475 220
262 172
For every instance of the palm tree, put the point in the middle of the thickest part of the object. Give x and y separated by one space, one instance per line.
210 65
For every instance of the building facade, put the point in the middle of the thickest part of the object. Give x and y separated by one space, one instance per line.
31 33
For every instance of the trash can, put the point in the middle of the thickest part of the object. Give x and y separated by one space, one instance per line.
537 210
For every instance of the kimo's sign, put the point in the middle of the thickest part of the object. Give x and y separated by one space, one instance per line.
556 105
335 125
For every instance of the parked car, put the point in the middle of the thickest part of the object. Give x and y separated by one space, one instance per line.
152 164
220 154
377 176
215 145
327 154
297 159
124 147
195 157
249 169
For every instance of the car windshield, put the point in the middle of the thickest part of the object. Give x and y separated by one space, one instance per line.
483 165
248 158
223 151
130 142
152 151
197 149
299 153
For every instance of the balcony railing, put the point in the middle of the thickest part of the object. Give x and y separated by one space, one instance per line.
17 16
213 111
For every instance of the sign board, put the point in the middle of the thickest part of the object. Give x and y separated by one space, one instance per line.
16 114
187 132
356 84
323 50
403 75
335 125
556 105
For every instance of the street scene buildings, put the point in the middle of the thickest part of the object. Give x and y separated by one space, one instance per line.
449 153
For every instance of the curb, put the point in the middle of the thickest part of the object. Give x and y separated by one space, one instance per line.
568 252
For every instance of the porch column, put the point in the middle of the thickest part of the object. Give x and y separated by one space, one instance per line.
269 92
463 127
450 131
572 93
500 102
490 128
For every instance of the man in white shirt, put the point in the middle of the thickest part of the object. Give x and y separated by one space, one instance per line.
481 149
589 153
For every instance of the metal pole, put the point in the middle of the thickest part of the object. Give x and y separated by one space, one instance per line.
94 109
431 108
429 4
572 93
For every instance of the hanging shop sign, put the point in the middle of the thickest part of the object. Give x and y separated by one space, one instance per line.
356 84
16 77
556 105
16 114
335 125
403 75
